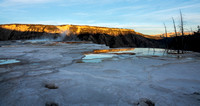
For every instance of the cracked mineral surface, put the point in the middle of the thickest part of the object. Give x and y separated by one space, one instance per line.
60 73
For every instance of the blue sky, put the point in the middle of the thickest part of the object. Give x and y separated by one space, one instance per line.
145 16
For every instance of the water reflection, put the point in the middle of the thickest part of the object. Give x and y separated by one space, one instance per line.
113 50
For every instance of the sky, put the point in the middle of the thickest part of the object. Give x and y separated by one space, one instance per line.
144 16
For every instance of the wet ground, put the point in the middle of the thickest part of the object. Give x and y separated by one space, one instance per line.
42 73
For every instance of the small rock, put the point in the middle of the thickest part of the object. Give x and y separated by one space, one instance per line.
145 102
196 93
51 104
51 86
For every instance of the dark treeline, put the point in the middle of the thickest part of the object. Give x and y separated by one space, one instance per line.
187 42
127 40
183 42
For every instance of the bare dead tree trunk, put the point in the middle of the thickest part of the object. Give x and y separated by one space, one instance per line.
165 30
191 31
182 30
176 35
166 45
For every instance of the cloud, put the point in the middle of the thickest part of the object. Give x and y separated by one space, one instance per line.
142 16
123 9
83 14
28 1
190 14
7 3
94 2
177 8
192 17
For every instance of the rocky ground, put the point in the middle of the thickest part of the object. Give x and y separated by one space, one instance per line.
56 73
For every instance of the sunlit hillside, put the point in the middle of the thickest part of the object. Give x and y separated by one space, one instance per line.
171 34
72 29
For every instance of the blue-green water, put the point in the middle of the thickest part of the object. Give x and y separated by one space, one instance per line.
112 54
8 61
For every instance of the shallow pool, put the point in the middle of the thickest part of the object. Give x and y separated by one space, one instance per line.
8 61
97 56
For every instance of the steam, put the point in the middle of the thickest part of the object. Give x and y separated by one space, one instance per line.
63 36
68 36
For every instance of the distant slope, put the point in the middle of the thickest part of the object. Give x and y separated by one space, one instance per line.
171 34
72 29
113 37
75 29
